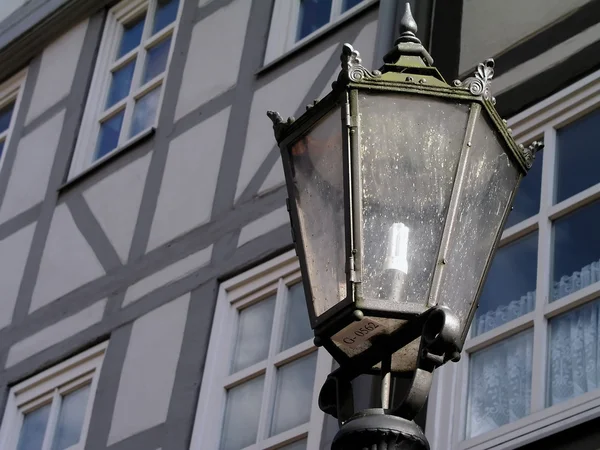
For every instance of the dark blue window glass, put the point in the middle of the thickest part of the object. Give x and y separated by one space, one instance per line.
166 13
132 36
350 4
109 135
527 199
313 15
120 84
5 116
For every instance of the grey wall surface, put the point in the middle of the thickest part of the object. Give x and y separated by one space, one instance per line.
133 251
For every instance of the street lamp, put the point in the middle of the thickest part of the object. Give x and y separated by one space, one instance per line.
399 185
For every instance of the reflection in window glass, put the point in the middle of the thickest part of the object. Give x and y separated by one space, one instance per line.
253 334
312 16
499 384
156 60
296 327
5 116
574 362
33 429
70 419
242 411
144 113
109 135
578 157
576 251
120 84
527 199
295 384
166 13
509 290
132 36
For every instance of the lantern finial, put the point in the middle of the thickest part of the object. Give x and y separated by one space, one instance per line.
408 27
408 44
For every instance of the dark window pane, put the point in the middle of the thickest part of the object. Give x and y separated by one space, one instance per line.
509 290
576 251
109 135
578 157
156 60
5 116
574 362
527 199
166 13
1 149
350 4
132 36
313 15
120 84
33 429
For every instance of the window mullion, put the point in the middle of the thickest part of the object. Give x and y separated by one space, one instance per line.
544 278
52 420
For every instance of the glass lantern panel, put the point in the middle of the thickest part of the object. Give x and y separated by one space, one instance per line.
410 147
319 197
489 179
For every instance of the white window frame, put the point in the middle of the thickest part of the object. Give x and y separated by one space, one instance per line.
95 111
447 413
247 288
284 25
11 91
48 386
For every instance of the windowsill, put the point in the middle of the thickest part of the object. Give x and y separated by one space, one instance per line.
119 151
316 36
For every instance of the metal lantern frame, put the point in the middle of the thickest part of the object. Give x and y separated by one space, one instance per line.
408 70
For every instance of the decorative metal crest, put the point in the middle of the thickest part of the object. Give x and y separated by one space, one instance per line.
352 69
480 83
530 151
279 126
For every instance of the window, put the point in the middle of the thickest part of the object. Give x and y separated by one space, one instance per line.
263 374
296 21
9 99
51 411
130 73
531 364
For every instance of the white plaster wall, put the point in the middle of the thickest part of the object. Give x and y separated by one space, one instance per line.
263 225
188 186
149 370
13 256
68 261
214 57
277 96
57 70
115 202
9 6
491 26
167 275
56 333
31 170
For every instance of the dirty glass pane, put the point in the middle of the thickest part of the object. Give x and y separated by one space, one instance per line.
253 334
509 290
293 395
240 423
319 197
166 13
312 16
527 199
132 35
156 60
70 419
33 429
576 261
296 328
109 135
144 113
577 156
120 84
499 384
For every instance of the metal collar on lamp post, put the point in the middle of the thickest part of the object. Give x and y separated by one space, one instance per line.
399 185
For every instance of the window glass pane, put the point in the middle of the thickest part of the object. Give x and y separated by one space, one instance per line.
120 84
574 363
156 60
499 384
132 36
509 290
350 4
109 135
1 149
166 13
298 445
293 395
5 116
33 429
70 419
242 410
312 16
297 325
253 334
576 251
527 199
144 113
577 156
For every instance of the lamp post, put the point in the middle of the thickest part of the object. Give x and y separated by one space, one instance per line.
399 185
